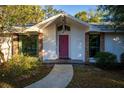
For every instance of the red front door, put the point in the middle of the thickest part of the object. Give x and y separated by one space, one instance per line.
63 46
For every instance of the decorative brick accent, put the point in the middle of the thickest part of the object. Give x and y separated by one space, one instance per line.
102 43
40 45
15 44
87 48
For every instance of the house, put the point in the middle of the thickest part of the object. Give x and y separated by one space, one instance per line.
64 37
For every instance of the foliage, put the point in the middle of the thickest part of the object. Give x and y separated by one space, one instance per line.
49 11
122 58
17 66
5 85
113 14
82 15
105 60
18 15
22 71
91 16
95 16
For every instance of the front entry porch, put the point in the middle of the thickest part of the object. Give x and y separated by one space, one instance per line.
64 61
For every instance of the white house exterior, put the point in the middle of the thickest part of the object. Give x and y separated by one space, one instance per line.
113 41
6 46
65 37
76 46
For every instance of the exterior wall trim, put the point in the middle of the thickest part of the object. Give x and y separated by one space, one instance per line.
102 42
86 48
15 44
40 46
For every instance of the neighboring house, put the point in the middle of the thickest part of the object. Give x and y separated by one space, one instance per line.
76 40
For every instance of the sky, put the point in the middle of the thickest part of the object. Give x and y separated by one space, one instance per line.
73 9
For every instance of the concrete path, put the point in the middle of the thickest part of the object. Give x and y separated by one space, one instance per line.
59 77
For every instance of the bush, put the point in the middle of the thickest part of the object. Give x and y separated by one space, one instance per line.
122 58
17 66
106 60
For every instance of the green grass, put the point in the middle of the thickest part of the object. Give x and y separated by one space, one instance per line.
28 79
88 76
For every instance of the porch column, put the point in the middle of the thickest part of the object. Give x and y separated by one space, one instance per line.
40 45
102 45
87 48
15 44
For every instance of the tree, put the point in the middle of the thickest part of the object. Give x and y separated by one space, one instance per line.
11 16
113 14
92 16
95 17
82 16
49 11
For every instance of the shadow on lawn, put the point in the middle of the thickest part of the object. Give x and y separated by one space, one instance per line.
89 76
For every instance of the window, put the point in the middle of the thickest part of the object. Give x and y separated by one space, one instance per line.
28 45
94 44
67 28
60 28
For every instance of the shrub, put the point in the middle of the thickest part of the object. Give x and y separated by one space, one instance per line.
17 66
105 60
122 58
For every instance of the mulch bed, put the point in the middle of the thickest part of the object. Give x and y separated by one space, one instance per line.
28 79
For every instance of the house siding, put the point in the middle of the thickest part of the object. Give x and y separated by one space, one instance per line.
77 45
6 46
49 43
114 43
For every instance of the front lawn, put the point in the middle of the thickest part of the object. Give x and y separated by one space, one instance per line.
21 71
89 76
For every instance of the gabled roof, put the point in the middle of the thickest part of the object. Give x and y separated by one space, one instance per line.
63 14
50 20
